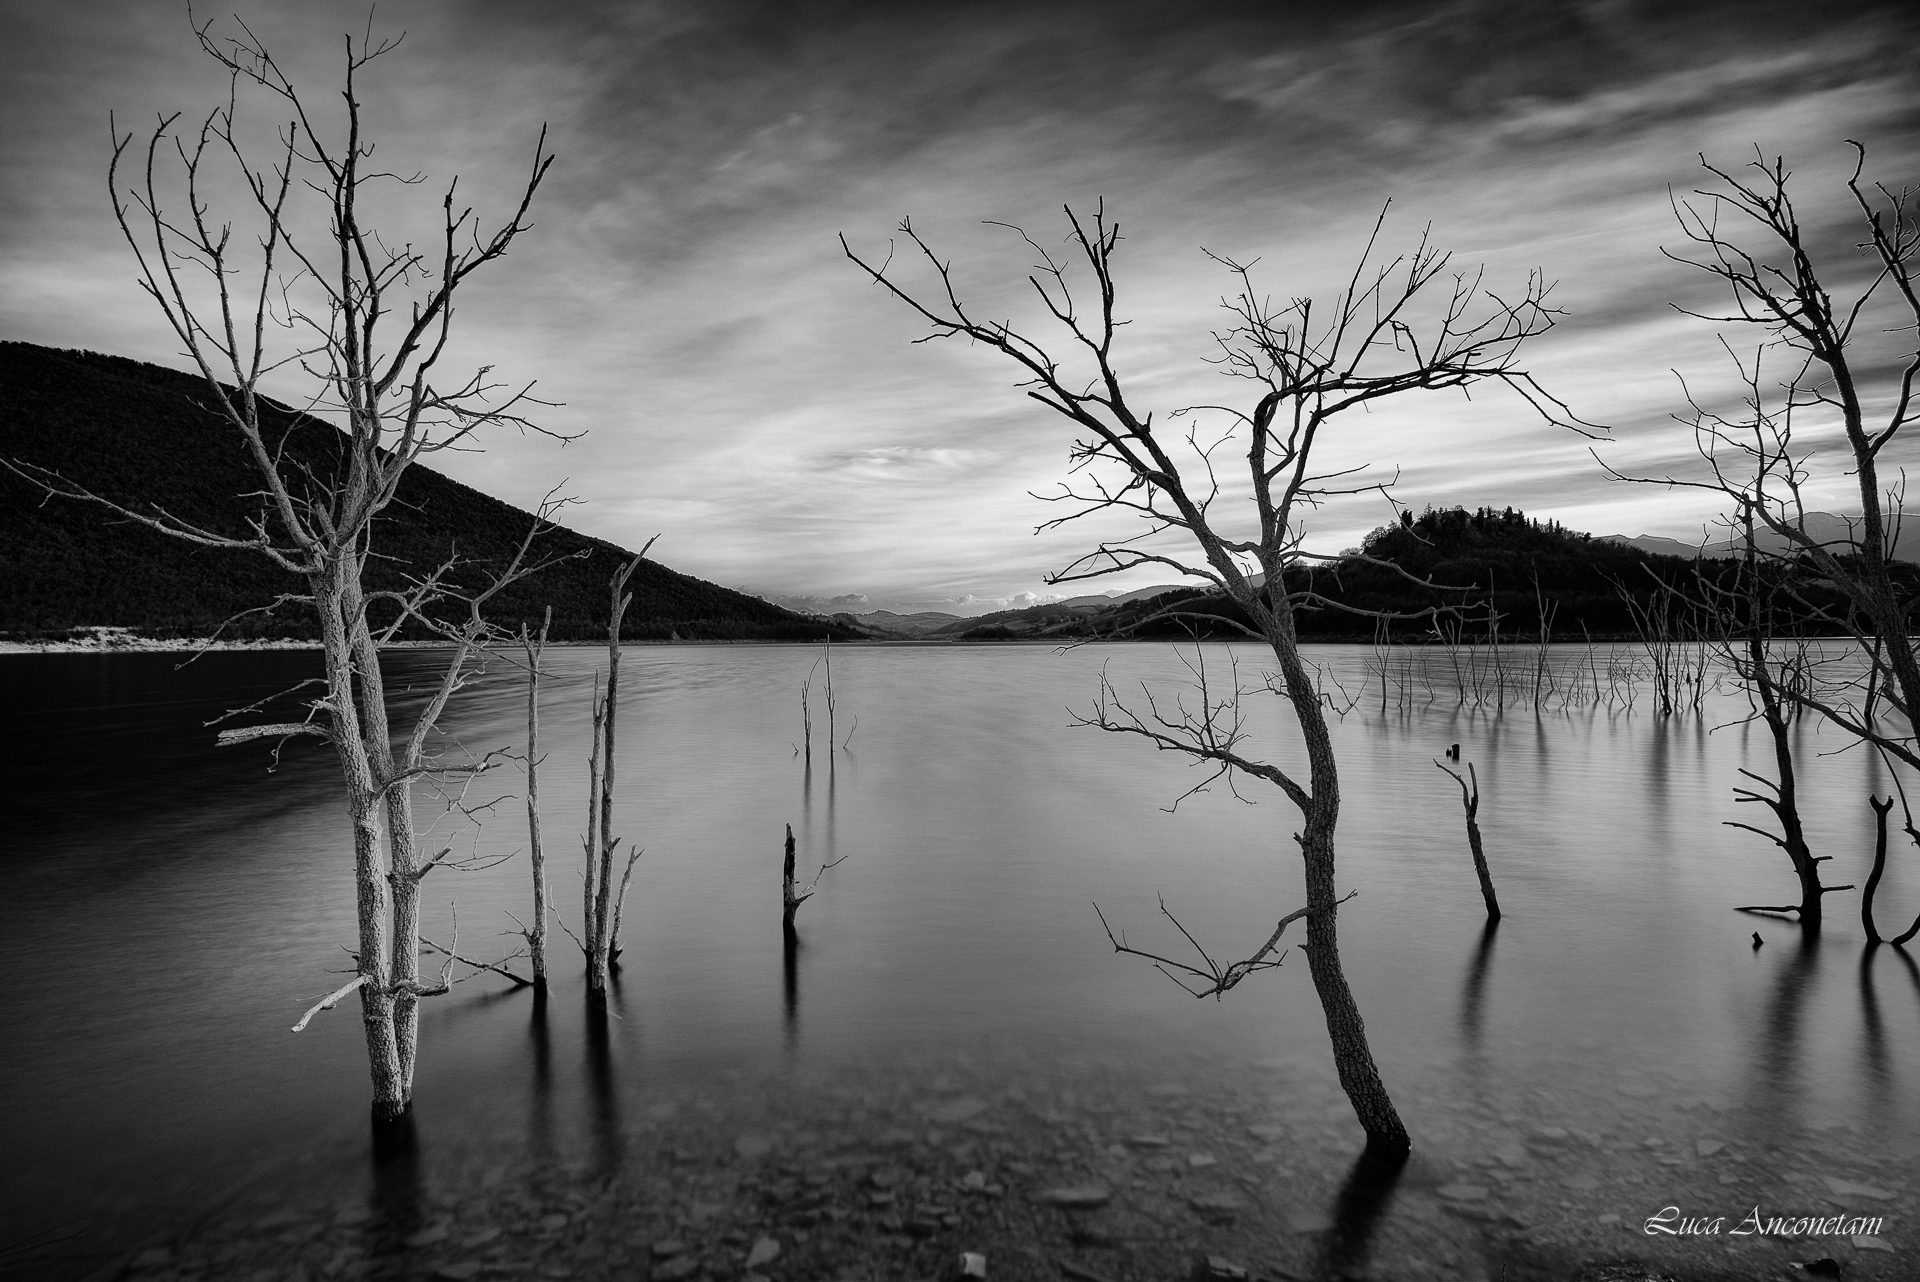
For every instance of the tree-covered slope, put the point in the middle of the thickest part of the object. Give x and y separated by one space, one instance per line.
1498 558
138 434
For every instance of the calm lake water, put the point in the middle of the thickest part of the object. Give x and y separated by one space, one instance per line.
171 908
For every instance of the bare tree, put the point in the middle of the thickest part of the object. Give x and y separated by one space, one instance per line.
601 903
536 934
791 893
1763 455
1400 325
1470 802
1745 616
366 317
1816 369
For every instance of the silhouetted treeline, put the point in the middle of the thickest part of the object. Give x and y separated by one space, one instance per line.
1504 571
141 435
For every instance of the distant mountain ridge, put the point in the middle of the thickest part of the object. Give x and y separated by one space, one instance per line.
1527 571
134 433
1827 527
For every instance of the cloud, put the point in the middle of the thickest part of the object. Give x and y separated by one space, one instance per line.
742 388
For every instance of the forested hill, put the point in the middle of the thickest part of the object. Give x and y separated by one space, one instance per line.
1520 566
134 433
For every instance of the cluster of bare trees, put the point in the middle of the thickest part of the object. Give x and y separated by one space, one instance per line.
301 281
1825 390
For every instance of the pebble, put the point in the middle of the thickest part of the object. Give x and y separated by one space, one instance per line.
669 1248
1707 1148
752 1146
1268 1132
427 1237
1149 1141
674 1270
765 1251
1218 1203
1847 1188
1200 1161
972 1265
1078 1196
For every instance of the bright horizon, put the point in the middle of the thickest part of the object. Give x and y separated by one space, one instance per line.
749 395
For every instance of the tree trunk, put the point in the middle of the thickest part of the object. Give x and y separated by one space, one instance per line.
788 904
537 936
602 910
587 896
1352 1057
1472 803
1879 865
403 869
1480 868
1786 808
371 887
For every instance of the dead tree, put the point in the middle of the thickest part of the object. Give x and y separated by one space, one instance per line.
1402 325
1745 231
536 935
1745 618
790 896
602 903
1880 811
313 288
1470 800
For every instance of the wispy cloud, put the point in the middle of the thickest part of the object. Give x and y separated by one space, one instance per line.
746 392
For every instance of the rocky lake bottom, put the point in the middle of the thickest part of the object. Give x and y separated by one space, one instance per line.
1076 1169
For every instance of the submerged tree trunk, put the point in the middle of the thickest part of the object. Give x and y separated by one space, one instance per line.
1785 801
374 964
603 904
1880 810
537 934
1470 800
788 904
1352 1056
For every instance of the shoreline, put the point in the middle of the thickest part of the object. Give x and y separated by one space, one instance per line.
121 644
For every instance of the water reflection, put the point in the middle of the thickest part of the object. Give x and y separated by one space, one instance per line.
608 1143
1873 1044
1473 995
540 1116
395 1204
1777 1050
790 981
1364 1198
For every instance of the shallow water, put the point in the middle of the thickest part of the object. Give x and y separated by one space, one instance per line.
172 908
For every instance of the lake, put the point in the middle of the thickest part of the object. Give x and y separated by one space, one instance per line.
1618 1045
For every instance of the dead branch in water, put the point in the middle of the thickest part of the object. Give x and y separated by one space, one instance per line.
1471 801
1218 978
791 899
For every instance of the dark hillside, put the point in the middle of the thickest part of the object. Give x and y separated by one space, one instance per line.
136 434
1501 557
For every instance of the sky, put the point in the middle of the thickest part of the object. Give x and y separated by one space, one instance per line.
738 387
